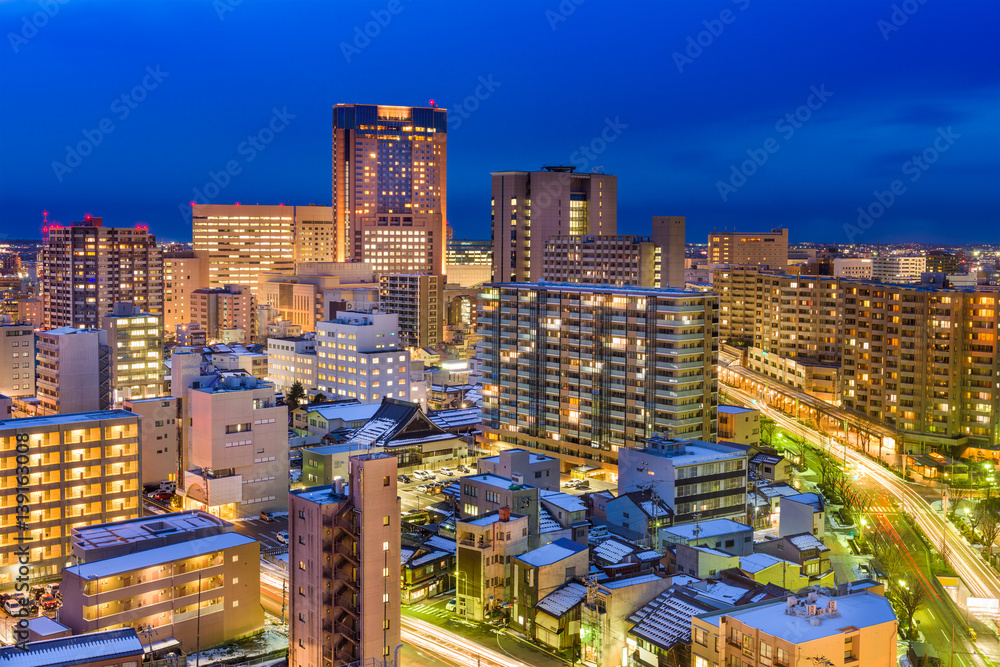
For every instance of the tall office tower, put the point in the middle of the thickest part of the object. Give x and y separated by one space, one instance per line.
923 360
852 267
136 341
17 358
86 267
182 274
315 238
360 356
83 468
344 544
898 270
238 447
228 314
418 300
390 189
469 262
602 260
530 207
73 373
669 237
579 371
766 249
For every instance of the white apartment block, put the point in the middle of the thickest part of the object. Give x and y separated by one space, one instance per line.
360 356
291 360
898 270
73 373
852 267
17 358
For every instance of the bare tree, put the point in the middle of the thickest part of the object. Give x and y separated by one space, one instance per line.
989 525
767 430
908 598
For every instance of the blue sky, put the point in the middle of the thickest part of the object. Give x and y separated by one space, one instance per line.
684 93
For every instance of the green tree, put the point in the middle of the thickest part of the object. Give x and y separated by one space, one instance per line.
295 397
319 398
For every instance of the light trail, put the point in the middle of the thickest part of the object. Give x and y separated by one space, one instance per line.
454 648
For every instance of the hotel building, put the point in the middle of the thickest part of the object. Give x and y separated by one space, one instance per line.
86 267
580 371
344 555
360 356
136 341
418 300
17 358
83 468
765 250
528 208
390 186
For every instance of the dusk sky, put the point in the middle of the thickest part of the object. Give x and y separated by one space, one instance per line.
662 102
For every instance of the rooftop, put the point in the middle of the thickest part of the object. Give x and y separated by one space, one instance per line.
551 553
562 599
756 562
703 529
813 499
150 557
108 644
146 529
690 452
348 412
322 495
588 289
563 501
490 518
81 418
493 480
733 409
632 581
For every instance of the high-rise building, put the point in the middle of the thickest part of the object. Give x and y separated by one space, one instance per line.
161 438
764 249
939 261
73 370
898 270
418 300
182 274
602 260
136 341
344 555
852 267
86 267
580 371
302 298
17 358
390 186
315 237
227 314
530 207
360 356
82 468
669 236
469 262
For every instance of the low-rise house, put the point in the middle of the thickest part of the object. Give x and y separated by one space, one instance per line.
660 632
322 465
539 572
739 425
766 569
802 513
725 534
597 503
428 567
108 648
642 514
484 493
703 562
616 558
323 418
805 549
557 619
605 622
519 464
486 544
770 467
569 511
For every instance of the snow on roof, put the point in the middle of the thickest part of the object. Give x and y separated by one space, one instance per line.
649 555
440 543
546 522
715 589
666 620
43 625
612 550
756 562
774 490
551 553
492 480
766 458
703 529
428 558
348 412
807 499
807 541
562 599
714 552
121 643
158 556
632 581
563 500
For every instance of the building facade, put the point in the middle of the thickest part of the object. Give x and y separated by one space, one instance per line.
469 263
161 438
291 360
898 270
136 342
852 267
182 274
73 370
485 545
603 260
418 300
227 314
764 249
17 358
360 356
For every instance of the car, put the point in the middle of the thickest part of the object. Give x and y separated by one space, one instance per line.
434 487
12 606
571 484
464 469
452 605
403 479
447 472
430 475
282 537
422 488
420 475
162 496
266 516
49 603
598 533
584 484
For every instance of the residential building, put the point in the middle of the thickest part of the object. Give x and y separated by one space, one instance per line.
227 314
725 534
580 372
802 513
768 570
360 356
291 360
852 267
569 512
761 249
136 341
805 549
898 270
109 648
73 370
641 515
344 559
428 567
86 267
816 378
390 188
605 620
325 464
237 460
161 438
485 545
191 335
418 300
188 576
669 236
938 261
17 358
83 467
402 429
469 263
768 468
853 629
30 311
518 464
322 418
484 493
183 273
538 573
739 425
530 207
696 479
557 619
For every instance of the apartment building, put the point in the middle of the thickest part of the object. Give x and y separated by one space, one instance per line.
183 273
739 425
291 360
580 372
17 358
82 468
854 629
852 267
73 370
186 576
762 249
923 360
527 208
390 186
227 314
161 438
86 267
536 469
237 463
344 561
360 356
898 270
136 342
698 479
540 572
484 493
469 263
418 300
485 546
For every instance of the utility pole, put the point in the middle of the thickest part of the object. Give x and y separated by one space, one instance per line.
284 592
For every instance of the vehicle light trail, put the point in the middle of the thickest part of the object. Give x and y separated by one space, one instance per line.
448 645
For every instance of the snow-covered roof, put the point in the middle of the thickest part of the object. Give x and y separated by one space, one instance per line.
546 522
632 581
766 458
492 480
807 541
43 625
775 490
807 499
108 644
612 550
562 500
440 543
704 529
756 562
561 600
158 556
714 552
716 589
348 412
666 620
551 553
428 558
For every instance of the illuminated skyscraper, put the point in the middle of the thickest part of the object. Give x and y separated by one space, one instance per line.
390 186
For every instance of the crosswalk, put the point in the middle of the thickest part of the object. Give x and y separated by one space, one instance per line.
437 611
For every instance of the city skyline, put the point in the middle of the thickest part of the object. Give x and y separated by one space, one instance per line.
721 78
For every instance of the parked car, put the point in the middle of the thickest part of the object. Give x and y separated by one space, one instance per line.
162 496
430 475
598 533
266 516
28 604
452 605
571 484
464 469
422 488
420 475
282 537
12 606
584 484
49 602
447 472
403 479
